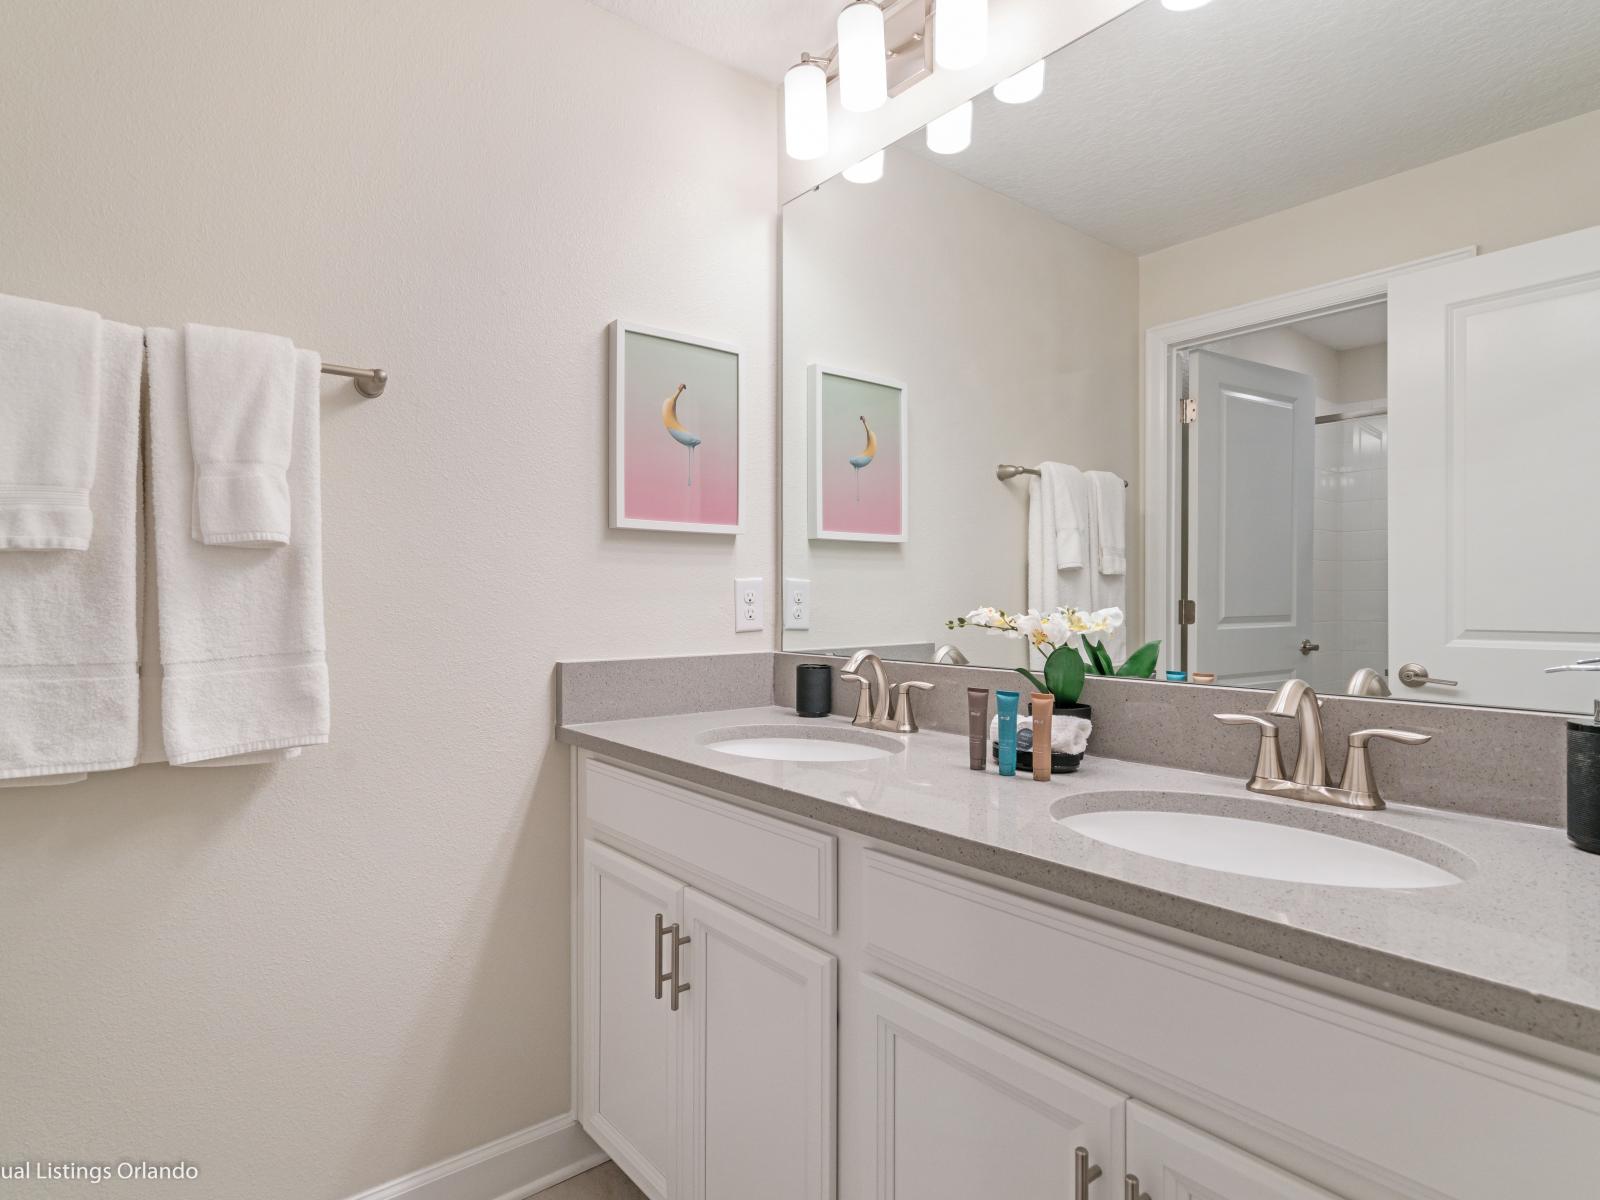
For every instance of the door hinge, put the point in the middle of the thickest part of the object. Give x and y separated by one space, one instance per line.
1185 612
1188 410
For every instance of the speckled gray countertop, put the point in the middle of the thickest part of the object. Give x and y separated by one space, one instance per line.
1516 943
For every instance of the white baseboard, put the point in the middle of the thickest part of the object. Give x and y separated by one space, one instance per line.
514 1167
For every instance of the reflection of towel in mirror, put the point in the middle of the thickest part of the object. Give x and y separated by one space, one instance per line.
1068 735
1064 552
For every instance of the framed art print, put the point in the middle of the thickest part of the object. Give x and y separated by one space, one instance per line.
859 457
674 432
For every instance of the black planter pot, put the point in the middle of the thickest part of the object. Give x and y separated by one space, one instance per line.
1060 763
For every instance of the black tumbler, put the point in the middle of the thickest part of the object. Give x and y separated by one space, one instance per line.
813 689
1583 785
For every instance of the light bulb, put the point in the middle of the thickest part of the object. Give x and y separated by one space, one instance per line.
805 111
1184 5
863 60
960 33
1025 85
951 133
868 170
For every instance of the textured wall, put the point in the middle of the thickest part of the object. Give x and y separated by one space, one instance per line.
315 977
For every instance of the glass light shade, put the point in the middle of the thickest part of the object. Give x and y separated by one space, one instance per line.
951 133
868 170
1025 85
805 111
1184 5
960 33
863 58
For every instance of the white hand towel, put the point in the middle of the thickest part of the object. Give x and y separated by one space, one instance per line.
241 426
1067 492
49 424
1109 501
69 635
241 631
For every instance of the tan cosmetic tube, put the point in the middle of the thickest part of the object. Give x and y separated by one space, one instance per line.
1043 705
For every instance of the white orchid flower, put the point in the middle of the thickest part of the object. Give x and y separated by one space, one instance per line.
1106 619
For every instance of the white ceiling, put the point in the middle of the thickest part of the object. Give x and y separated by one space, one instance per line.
1160 126
761 37
1348 330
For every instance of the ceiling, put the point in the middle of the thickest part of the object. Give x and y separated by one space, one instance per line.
1160 127
1351 329
761 37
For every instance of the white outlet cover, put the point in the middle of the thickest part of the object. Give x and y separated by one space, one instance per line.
797 604
749 605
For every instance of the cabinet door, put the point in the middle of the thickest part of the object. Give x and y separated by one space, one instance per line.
962 1111
1174 1161
629 1039
758 1077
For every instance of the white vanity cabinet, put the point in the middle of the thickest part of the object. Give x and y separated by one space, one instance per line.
983 1036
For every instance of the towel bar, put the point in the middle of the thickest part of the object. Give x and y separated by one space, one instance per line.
369 381
1006 471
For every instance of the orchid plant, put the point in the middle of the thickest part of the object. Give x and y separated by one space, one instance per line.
1067 638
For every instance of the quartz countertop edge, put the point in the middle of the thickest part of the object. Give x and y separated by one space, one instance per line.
1418 944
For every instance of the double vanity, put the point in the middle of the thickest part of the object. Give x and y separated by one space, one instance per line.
816 960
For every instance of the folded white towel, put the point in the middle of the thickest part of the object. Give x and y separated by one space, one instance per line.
241 631
1109 502
241 426
1068 735
1067 494
49 424
69 638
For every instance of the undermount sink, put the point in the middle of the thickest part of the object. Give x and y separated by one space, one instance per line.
1268 849
802 743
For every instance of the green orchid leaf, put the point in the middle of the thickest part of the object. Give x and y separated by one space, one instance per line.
1141 663
1031 678
1099 659
1064 672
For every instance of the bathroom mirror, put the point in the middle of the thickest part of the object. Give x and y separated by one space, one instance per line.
1341 347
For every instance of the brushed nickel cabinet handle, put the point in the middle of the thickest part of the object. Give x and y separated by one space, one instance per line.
662 929
678 943
1083 1173
1131 1189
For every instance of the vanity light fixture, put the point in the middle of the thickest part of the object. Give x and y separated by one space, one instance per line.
863 58
1027 84
960 33
1184 5
868 170
805 109
951 133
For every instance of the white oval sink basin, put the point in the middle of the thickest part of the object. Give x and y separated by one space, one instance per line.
790 743
1257 848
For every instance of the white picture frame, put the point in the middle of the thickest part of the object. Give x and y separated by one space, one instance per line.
817 413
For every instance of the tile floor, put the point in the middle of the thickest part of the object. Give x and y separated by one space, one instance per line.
604 1182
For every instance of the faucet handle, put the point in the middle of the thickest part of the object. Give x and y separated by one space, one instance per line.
863 698
1357 779
1269 758
905 719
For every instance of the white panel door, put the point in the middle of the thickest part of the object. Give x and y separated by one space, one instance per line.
758 1093
629 1035
1494 429
962 1112
1250 528
1174 1161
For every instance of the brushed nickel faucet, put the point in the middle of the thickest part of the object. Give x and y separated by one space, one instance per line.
1367 682
1357 788
872 702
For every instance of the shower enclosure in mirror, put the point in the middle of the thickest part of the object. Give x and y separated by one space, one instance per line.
1341 347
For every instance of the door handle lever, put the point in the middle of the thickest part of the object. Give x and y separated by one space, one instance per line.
1416 675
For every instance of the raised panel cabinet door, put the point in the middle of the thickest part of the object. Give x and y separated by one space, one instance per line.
629 1036
759 1057
1174 1161
962 1112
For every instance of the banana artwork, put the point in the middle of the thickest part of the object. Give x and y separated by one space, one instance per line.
865 457
669 418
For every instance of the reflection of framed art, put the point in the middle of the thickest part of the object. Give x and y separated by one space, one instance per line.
858 457
674 432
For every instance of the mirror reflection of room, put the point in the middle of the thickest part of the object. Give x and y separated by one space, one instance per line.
1346 396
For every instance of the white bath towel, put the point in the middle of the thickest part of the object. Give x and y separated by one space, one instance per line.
241 429
1109 505
1058 538
241 630
69 639
1067 493
49 424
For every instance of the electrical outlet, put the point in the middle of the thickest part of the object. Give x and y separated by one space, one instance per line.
749 605
797 604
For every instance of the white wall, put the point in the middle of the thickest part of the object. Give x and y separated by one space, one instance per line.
1015 338
311 978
